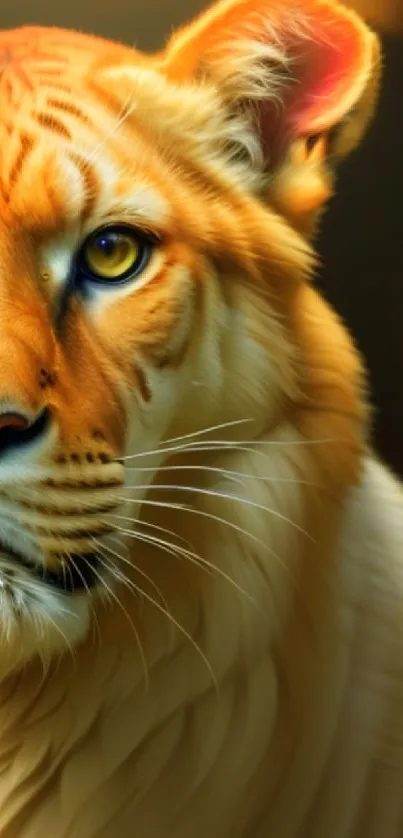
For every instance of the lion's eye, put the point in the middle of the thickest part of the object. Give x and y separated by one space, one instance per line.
114 254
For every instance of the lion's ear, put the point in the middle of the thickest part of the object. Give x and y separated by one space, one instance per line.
304 72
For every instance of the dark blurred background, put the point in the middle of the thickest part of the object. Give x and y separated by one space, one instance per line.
361 243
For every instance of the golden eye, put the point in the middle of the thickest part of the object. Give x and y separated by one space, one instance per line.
114 254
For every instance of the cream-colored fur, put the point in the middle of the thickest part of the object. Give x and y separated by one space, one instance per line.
238 670
215 741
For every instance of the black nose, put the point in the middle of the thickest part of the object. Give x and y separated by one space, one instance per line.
16 430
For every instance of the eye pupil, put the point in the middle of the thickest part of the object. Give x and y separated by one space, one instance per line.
107 244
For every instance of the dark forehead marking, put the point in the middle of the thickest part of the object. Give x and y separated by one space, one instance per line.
33 57
24 66
12 70
40 68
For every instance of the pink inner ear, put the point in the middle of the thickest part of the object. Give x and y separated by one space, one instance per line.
330 65
331 81
330 51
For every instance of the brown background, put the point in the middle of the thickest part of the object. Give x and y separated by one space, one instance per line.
361 243
144 23
128 20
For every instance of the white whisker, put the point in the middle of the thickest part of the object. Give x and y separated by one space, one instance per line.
202 432
141 572
175 622
191 556
150 525
64 637
120 605
125 112
39 624
201 512
230 473
89 592
225 445
222 522
225 496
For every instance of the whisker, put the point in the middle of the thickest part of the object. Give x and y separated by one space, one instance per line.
225 496
66 567
202 432
142 573
38 622
64 637
231 473
116 599
150 525
125 111
156 503
201 512
222 522
225 445
175 622
191 556
95 621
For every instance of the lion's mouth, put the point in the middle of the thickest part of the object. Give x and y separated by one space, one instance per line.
79 572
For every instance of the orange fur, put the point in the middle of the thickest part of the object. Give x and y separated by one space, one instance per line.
208 443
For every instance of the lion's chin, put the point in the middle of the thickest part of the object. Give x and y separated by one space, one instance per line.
37 619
